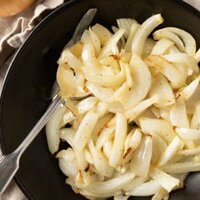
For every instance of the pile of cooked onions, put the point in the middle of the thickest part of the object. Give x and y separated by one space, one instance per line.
138 133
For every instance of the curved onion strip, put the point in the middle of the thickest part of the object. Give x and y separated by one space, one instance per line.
142 81
100 161
134 112
67 163
111 44
161 46
85 129
163 33
188 134
95 74
67 134
164 92
126 23
86 104
111 185
195 122
197 56
187 38
184 167
183 58
133 30
102 33
171 150
146 189
161 194
166 181
188 91
190 152
52 130
103 137
143 32
178 115
107 148
118 144
141 159
158 126
102 93
167 69
133 142
95 41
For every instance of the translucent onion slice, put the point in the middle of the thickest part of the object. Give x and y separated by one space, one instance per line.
95 74
70 59
166 181
67 134
189 90
143 32
52 129
182 167
161 46
183 58
102 93
86 104
111 44
134 112
85 130
171 151
161 194
187 38
100 161
112 185
107 148
167 69
141 159
158 126
190 152
131 145
102 33
188 134
146 189
164 33
95 41
118 144
133 30
163 90
67 163
178 115
147 48
197 56
195 122
104 137
142 81
126 23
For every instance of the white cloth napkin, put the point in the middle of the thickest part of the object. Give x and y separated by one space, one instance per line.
13 31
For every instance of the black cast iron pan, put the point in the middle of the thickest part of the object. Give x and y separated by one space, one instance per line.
28 83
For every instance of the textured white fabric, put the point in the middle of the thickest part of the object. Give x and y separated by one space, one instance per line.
13 31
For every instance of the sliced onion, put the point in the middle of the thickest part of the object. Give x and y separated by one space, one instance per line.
67 134
85 129
146 189
142 81
95 41
197 56
167 69
86 104
171 150
52 130
133 113
164 33
166 181
163 90
187 38
195 122
184 167
161 46
67 163
158 126
188 134
141 159
178 115
118 144
143 32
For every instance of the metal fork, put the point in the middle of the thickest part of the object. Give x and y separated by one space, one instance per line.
9 164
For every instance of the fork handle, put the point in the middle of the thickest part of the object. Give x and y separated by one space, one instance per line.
57 101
